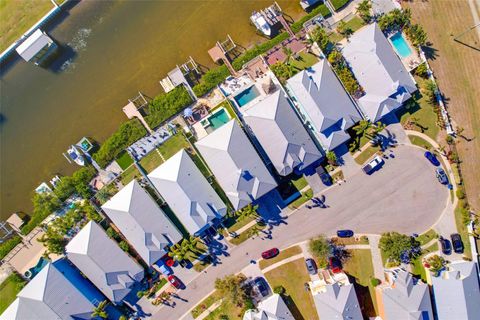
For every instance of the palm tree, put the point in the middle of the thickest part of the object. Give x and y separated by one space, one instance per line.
177 252
288 52
332 158
363 10
460 131
441 149
360 129
99 311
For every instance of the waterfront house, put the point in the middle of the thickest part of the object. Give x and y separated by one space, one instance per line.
335 297
272 308
456 291
37 48
102 261
381 74
404 297
188 193
50 295
273 122
323 104
236 164
142 222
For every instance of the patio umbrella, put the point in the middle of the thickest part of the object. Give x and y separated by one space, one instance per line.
188 112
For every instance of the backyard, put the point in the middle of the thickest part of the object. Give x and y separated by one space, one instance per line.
292 276
9 289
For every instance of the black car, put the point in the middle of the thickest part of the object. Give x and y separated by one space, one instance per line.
446 246
344 233
457 243
261 286
311 266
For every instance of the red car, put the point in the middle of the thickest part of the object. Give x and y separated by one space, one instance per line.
270 253
174 281
335 265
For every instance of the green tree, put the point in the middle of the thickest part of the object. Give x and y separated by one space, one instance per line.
81 179
417 35
320 248
395 244
288 53
177 252
319 35
422 70
99 311
332 158
363 10
430 89
344 29
247 211
65 188
436 263
231 288
283 71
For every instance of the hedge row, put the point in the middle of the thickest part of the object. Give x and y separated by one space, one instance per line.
126 134
321 9
43 206
8 245
210 80
166 105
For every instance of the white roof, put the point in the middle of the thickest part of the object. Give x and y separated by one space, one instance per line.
97 256
338 302
33 44
49 296
272 308
236 164
407 298
456 291
187 192
324 102
386 82
142 222
281 133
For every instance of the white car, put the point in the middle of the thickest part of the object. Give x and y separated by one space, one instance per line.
374 164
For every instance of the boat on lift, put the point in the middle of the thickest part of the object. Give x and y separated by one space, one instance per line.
261 23
55 181
76 156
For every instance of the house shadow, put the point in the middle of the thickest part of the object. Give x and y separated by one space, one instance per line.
270 206
365 299
297 315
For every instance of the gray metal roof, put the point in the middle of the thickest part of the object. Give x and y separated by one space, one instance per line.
281 133
407 298
142 222
102 261
457 292
386 82
324 103
338 302
187 192
49 296
33 44
272 308
236 164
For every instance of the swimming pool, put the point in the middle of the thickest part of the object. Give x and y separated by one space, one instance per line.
217 119
400 45
246 96
32 272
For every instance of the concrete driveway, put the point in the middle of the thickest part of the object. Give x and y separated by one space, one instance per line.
403 195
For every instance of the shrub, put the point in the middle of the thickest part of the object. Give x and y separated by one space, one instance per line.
399 247
460 193
65 188
166 105
282 71
320 248
375 282
124 246
81 180
395 19
422 70
279 290
43 206
127 133
8 245
112 233
416 34
210 80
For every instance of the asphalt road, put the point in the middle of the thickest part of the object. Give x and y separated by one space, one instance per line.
403 196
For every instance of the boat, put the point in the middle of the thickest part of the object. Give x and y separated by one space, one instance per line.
43 188
261 23
75 155
55 180
307 4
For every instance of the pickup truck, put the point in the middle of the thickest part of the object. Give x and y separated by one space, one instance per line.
374 164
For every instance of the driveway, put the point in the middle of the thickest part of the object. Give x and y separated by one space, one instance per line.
403 195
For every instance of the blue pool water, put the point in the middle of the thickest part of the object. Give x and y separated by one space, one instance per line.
218 119
246 96
400 45
32 272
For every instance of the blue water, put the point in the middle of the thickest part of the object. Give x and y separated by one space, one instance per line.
400 45
218 119
38 267
246 96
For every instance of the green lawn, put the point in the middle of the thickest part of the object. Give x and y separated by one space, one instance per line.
355 23
426 237
129 174
205 304
418 141
241 222
292 277
247 234
307 195
462 230
417 266
9 289
300 182
225 104
360 266
173 145
337 4
284 254
352 240
305 60
17 16
151 161
366 154
124 160
226 308
335 37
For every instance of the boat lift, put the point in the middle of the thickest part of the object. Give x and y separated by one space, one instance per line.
220 51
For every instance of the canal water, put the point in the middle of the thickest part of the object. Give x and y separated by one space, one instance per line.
113 50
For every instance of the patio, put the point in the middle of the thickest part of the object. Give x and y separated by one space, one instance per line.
277 55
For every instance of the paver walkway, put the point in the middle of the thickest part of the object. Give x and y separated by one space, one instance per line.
376 257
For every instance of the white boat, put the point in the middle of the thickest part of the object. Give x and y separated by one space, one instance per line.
54 182
75 155
261 23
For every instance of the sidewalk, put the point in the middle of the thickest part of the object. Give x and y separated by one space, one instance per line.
376 257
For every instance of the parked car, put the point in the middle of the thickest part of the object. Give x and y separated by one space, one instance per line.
174 281
441 176
344 233
431 157
457 243
335 264
261 286
446 246
311 266
373 165
270 253
306 286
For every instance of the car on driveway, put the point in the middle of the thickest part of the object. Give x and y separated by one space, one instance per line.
441 176
270 253
446 245
344 233
431 157
373 165
335 264
174 281
311 266
261 286
457 243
